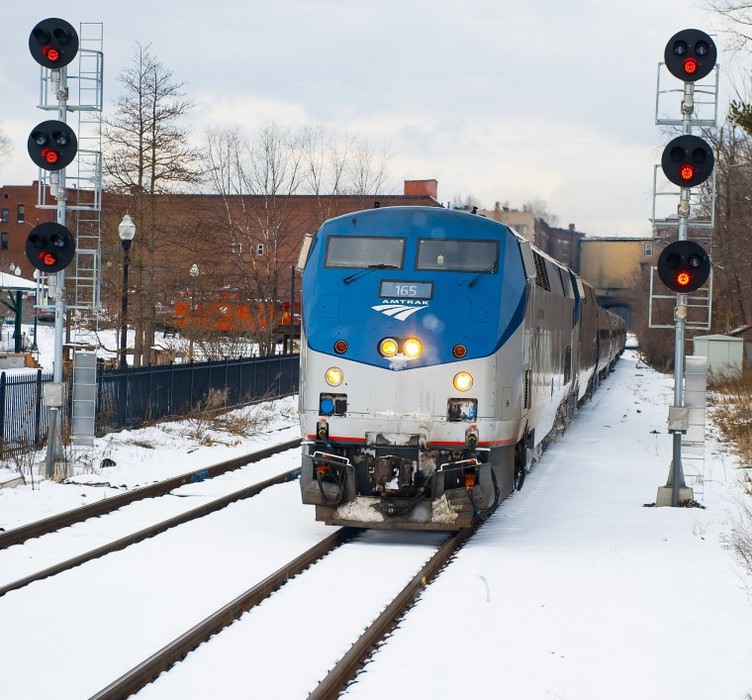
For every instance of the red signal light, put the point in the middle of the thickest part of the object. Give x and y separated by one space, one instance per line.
691 65
683 279
51 54
686 172
50 156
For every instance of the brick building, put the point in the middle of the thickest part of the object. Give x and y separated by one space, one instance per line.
560 243
235 241
18 216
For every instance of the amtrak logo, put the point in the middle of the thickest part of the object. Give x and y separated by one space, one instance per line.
400 310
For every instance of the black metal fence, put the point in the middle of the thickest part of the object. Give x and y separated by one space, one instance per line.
23 416
132 397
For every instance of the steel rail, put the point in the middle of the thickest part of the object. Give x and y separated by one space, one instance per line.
152 530
143 674
348 666
20 534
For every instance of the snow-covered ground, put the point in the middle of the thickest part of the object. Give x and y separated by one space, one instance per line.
574 589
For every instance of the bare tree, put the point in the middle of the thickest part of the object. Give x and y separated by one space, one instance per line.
466 203
6 147
254 181
148 154
340 165
732 258
737 15
368 169
324 166
540 209
255 178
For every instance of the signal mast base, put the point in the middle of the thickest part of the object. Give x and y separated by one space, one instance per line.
665 492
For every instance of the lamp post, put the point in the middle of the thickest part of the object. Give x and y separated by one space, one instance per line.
126 231
194 274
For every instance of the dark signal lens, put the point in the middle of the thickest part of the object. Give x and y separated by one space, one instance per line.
680 47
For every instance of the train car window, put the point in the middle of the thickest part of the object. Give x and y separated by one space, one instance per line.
456 255
527 260
364 252
564 281
581 289
541 278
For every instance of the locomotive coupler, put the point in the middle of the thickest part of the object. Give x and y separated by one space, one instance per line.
391 473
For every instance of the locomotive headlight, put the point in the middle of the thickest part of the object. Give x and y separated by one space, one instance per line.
412 348
462 381
334 376
389 347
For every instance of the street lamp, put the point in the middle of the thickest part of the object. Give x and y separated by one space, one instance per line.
194 274
126 231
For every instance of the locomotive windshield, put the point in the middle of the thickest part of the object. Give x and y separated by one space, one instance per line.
457 255
364 252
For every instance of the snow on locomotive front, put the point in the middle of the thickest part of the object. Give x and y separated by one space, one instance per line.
411 367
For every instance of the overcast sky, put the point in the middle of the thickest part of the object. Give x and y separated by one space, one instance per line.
504 100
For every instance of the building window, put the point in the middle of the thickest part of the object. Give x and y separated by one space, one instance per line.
4 241
259 249
648 250
521 229
237 248
21 213
6 215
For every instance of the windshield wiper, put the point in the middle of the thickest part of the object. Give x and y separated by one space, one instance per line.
475 279
370 268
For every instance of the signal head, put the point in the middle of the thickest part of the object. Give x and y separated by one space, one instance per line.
690 55
52 145
53 43
687 161
50 247
683 266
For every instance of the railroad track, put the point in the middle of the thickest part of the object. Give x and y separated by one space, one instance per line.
150 531
108 505
145 672
343 672
135 576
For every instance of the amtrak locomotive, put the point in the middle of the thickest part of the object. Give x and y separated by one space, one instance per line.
439 349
